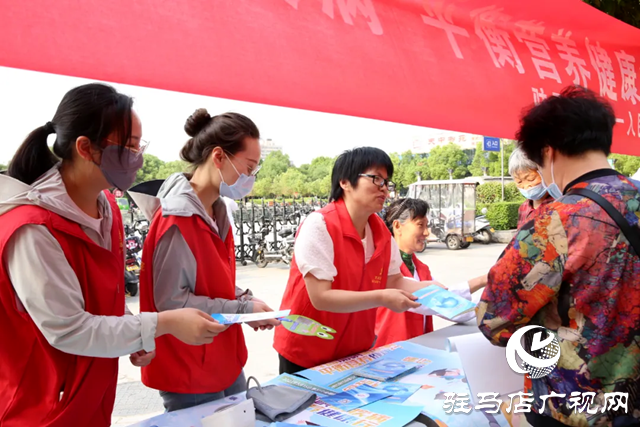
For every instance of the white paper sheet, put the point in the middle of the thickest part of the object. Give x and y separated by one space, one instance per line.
485 366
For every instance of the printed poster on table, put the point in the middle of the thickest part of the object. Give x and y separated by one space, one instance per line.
441 373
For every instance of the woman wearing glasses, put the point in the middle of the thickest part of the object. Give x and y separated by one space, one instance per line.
62 299
346 265
189 258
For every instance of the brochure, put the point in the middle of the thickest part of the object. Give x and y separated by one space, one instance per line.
399 391
356 397
387 369
443 302
229 319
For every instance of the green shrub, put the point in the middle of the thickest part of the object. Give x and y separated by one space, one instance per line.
491 192
503 215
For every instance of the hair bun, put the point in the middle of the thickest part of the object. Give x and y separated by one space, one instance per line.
197 121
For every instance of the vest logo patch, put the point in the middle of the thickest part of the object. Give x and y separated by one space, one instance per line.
378 278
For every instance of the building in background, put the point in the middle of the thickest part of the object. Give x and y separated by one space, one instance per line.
464 140
268 146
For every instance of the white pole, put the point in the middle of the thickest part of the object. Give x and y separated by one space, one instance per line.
502 166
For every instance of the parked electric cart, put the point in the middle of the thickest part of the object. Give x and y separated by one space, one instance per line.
453 210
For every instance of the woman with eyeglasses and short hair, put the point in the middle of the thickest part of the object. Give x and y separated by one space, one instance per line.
345 266
62 296
189 258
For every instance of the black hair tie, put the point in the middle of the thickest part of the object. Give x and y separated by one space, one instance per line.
48 127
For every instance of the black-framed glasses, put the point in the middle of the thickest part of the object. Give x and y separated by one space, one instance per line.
379 181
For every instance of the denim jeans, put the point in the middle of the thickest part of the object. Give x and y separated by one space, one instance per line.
176 401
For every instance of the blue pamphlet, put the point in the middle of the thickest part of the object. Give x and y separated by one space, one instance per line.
229 319
356 397
387 369
399 391
443 302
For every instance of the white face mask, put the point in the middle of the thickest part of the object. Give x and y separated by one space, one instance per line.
553 189
239 189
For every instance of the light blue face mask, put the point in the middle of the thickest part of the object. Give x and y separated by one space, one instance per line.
553 189
239 189
534 193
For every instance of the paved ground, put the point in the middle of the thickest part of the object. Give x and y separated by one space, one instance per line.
135 402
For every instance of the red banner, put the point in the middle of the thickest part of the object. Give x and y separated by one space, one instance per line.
464 65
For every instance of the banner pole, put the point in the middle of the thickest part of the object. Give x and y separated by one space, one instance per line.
502 166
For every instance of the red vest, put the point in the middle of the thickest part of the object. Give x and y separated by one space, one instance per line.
355 331
34 373
182 368
393 327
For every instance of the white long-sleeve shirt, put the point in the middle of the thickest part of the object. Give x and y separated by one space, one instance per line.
48 289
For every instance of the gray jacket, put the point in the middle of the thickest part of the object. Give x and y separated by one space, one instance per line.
174 265
46 286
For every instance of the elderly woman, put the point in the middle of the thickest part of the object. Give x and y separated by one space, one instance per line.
527 178
409 226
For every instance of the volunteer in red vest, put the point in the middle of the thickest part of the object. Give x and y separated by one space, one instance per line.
189 258
408 223
62 297
345 266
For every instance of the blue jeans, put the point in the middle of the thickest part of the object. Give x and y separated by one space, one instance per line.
176 401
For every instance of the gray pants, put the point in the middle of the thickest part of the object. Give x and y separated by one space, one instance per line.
176 401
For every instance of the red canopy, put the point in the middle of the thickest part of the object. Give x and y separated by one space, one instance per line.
464 65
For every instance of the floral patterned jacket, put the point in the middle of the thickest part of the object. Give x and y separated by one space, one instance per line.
571 270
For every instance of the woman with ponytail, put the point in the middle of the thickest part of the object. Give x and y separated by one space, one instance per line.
62 299
189 258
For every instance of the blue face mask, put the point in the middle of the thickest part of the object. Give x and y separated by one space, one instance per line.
239 189
534 193
553 189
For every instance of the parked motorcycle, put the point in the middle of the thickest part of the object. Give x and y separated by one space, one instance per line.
131 282
484 231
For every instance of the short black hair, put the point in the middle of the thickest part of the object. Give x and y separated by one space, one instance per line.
573 123
350 164
405 209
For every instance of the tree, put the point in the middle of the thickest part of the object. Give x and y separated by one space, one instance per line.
263 188
319 188
626 165
408 168
3 167
625 10
447 162
480 164
318 169
169 168
150 169
290 183
274 165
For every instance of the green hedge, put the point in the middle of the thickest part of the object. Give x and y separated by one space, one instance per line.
501 215
491 192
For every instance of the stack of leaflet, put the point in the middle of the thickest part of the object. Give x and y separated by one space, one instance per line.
387 370
355 398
